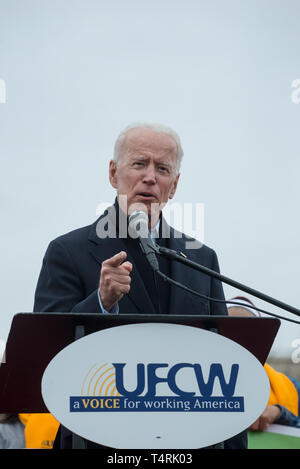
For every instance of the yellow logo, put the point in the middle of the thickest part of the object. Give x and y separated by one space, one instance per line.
100 380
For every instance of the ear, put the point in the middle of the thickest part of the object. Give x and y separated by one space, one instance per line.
174 187
113 174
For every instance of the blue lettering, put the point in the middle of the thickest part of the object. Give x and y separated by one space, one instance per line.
215 371
153 379
140 386
172 379
205 388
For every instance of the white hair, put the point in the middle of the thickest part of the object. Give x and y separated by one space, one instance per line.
155 127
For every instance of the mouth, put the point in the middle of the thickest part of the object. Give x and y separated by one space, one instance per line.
146 195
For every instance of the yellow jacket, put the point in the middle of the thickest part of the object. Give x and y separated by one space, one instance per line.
283 391
40 430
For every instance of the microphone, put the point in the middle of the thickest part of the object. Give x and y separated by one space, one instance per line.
138 228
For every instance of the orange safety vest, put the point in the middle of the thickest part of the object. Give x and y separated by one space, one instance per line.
40 430
283 391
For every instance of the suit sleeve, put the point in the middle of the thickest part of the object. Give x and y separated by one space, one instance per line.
59 287
217 308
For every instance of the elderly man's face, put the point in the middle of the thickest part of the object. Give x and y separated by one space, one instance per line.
146 172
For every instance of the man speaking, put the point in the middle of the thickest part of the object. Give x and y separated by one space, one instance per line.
100 269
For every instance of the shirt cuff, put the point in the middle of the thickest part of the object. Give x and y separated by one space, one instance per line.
114 309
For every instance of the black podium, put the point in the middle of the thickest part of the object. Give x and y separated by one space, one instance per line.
35 338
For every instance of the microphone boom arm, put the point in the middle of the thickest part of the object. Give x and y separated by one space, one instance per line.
169 253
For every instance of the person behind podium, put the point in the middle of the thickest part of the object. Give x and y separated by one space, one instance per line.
11 432
96 269
283 407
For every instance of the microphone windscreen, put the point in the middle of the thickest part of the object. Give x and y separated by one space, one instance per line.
138 224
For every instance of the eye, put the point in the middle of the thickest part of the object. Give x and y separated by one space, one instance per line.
163 169
138 163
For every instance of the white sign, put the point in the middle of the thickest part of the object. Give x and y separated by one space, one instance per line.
155 386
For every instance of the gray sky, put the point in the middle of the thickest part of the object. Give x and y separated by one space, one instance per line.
220 73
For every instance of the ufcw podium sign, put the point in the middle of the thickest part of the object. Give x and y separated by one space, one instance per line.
147 380
155 386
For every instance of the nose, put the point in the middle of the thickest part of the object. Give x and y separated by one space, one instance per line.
149 176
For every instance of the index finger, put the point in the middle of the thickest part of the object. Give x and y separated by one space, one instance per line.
117 259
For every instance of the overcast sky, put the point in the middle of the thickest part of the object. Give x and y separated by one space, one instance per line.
223 74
